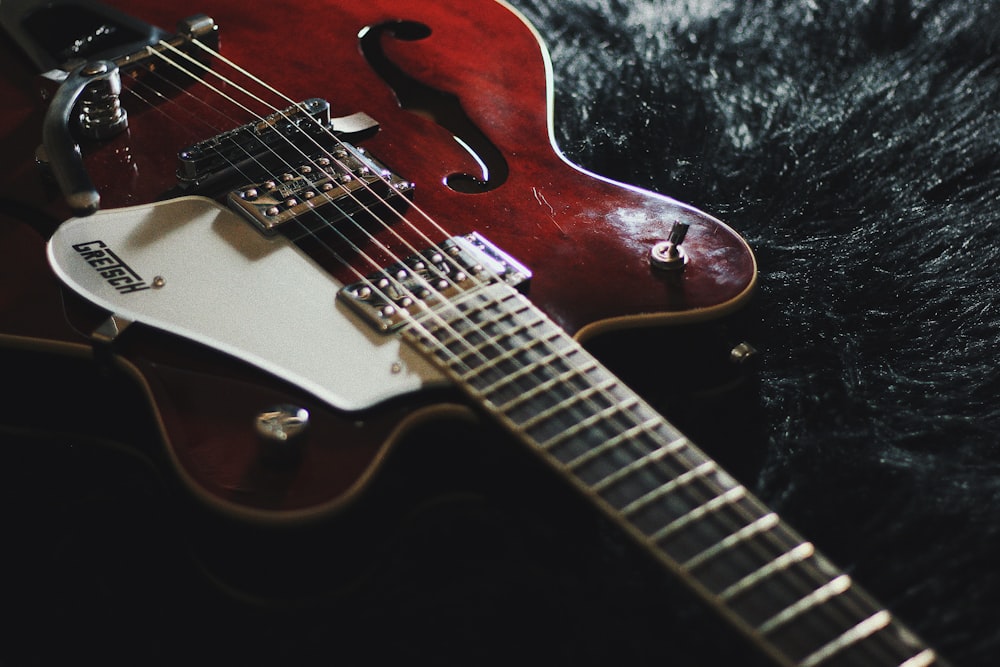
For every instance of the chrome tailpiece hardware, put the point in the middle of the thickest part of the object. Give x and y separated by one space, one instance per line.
101 115
100 120
86 102
390 298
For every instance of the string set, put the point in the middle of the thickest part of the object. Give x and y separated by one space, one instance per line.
648 446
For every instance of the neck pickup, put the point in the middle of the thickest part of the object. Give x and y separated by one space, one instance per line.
432 279
675 502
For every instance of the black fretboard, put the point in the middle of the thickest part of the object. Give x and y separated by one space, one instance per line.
702 524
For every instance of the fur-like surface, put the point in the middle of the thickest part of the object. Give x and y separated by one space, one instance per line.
856 145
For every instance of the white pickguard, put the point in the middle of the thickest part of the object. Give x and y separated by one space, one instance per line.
225 285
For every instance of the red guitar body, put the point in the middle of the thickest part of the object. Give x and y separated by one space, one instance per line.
587 240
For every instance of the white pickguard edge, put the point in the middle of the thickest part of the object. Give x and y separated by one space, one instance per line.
255 298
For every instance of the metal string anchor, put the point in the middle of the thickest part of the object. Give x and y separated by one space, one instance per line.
669 255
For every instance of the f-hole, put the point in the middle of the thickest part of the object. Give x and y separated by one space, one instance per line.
442 107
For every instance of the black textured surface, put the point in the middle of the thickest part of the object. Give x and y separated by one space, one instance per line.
855 145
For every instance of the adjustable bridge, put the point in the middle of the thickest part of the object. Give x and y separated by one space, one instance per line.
303 162
230 150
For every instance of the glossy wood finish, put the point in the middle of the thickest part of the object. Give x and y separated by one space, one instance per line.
587 240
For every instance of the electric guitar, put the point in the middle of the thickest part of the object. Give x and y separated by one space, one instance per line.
294 250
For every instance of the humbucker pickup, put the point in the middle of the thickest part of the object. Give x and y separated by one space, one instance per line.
431 278
343 182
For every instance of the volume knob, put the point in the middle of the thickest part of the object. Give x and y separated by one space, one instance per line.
281 429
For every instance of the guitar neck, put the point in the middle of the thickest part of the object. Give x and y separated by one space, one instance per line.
662 490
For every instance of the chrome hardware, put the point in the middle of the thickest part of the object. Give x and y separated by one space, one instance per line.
669 255
90 91
109 330
60 147
205 159
282 422
288 134
432 278
742 353
101 115
200 27
281 429
349 177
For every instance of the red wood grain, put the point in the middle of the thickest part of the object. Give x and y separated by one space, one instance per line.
587 240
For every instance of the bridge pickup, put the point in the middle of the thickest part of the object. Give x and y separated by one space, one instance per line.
281 137
336 185
390 298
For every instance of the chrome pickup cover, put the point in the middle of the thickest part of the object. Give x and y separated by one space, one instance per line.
431 278
343 181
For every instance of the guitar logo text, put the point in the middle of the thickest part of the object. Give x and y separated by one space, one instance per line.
117 273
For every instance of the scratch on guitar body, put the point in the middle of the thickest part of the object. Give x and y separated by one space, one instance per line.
540 198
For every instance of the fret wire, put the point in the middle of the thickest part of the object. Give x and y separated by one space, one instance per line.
701 470
462 325
604 385
556 335
465 338
527 369
621 473
761 525
496 340
925 658
729 497
831 589
440 320
628 434
800 553
587 421
914 663
484 301
877 621
487 295
490 363
507 355
623 404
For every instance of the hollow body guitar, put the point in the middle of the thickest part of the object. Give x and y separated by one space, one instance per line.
295 251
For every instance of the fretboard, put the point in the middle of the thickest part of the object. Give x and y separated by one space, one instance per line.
703 525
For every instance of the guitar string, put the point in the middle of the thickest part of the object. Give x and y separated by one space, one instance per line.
377 266
329 224
375 194
821 578
699 501
306 232
286 98
164 102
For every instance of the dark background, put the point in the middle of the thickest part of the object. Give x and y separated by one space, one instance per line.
855 145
